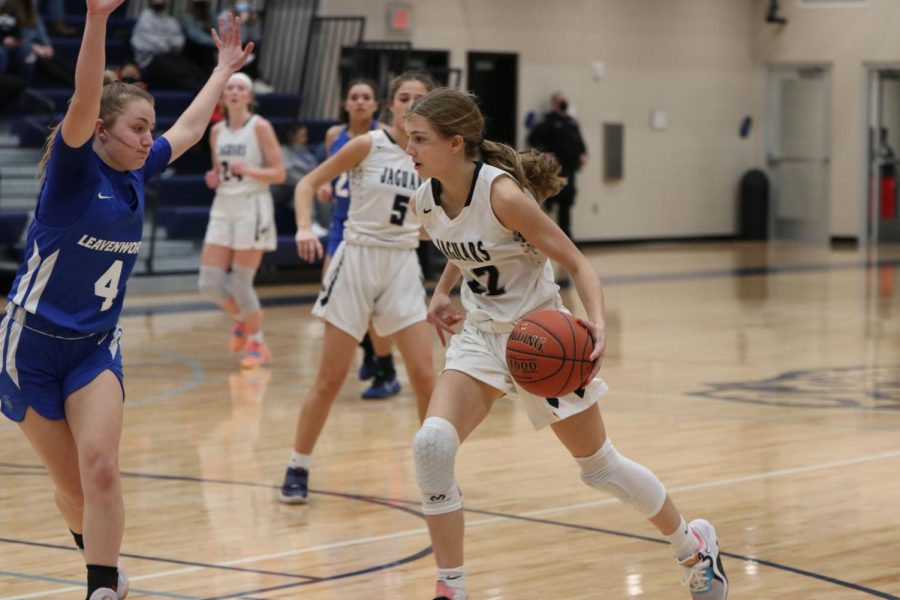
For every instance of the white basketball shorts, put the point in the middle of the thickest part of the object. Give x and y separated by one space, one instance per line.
242 222
372 283
482 356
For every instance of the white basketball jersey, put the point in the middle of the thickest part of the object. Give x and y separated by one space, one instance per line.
505 277
240 144
380 188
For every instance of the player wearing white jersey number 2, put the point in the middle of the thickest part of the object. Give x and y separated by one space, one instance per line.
478 205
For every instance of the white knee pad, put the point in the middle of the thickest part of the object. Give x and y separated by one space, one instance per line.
213 285
434 450
242 290
628 481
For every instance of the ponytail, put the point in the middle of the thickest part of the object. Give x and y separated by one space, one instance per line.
452 112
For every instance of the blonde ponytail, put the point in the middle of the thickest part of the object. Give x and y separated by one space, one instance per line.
452 112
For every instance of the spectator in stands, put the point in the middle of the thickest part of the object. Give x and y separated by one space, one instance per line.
157 41
298 161
55 11
130 72
49 69
16 54
199 46
246 161
251 30
66 390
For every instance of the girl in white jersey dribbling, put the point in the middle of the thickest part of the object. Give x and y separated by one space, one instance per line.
478 206
246 160
373 276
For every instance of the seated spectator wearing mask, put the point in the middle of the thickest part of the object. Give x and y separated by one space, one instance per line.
157 41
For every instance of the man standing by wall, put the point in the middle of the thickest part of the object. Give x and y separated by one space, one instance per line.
559 135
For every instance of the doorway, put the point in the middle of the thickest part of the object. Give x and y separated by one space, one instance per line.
881 210
798 152
494 78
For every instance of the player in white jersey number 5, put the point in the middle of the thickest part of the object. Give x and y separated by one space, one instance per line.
374 274
478 205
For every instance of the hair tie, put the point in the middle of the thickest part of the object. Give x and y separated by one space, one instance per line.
481 141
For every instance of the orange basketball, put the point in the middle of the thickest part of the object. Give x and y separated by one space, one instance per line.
548 353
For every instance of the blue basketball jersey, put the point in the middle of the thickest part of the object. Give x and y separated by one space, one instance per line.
340 185
75 276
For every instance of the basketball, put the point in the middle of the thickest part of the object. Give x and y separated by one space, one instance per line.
548 353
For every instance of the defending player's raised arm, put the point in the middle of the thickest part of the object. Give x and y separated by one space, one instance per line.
354 152
189 127
81 117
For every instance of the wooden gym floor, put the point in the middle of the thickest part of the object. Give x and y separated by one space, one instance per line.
761 383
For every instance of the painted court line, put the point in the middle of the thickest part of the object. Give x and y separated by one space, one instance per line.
535 513
489 521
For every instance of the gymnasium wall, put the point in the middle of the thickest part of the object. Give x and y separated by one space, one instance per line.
691 57
847 39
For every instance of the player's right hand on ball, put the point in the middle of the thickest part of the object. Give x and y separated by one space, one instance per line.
443 316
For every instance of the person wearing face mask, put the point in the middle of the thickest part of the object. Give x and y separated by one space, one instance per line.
158 40
130 72
558 134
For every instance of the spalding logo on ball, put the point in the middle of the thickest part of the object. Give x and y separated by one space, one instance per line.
548 353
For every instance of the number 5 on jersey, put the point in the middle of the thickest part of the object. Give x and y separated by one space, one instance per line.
107 287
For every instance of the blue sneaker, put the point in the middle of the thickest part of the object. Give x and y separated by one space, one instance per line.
706 578
368 368
382 389
295 487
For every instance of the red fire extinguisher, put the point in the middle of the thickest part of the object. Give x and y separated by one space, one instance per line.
888 192
888 177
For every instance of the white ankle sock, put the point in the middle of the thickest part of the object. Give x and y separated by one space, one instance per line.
257 337
454 578
300 461
684 541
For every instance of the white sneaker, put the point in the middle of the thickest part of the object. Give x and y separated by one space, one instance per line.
104 594
706 578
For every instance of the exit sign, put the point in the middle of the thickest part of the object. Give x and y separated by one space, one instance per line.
400 17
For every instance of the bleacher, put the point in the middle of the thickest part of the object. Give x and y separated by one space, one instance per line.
178 202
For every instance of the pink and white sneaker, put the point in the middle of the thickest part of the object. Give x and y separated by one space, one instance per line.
444 592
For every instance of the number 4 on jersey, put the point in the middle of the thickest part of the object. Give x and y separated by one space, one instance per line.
107 287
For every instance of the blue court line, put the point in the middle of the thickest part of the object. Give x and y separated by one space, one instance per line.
82 584
187 307
197 376
393 503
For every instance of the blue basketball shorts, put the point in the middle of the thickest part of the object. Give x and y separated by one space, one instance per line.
335 236
42 364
